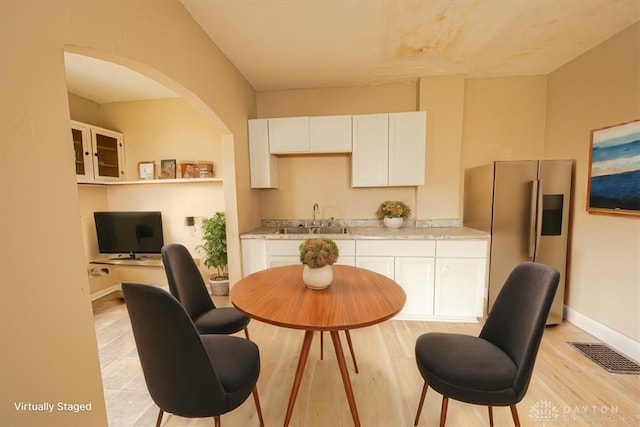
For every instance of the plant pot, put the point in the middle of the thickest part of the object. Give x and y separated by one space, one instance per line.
393 222
317 278
219 286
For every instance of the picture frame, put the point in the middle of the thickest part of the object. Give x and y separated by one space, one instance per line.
613 185
146 170
187 169
168 169
205 169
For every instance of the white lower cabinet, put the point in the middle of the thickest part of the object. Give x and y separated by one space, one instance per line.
415 275
460 278
380 264
408 262
458 290
444 280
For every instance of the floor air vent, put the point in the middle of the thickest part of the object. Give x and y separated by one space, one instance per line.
607 358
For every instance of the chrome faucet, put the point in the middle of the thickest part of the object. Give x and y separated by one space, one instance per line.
316 210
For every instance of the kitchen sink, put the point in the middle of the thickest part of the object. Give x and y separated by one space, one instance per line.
293 230
330 230
312 230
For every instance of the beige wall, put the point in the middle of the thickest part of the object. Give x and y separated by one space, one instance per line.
51 355
162 129
84 110
443 100
504 119
600 88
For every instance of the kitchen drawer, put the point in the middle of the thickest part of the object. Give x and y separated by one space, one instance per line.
291 247
462 248
422 248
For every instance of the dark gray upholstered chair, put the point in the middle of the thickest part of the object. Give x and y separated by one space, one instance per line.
189 374
494 368
187 285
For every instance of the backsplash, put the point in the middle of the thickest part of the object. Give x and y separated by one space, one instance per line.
409 223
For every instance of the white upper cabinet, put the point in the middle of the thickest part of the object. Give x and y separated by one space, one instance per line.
82 151
407 136
370 158
289 135
330 134
263 165
299 135
389 149
99 153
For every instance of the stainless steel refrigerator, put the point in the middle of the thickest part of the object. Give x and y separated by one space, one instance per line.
524 205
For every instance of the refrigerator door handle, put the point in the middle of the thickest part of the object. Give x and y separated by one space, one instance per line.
532 219
538 220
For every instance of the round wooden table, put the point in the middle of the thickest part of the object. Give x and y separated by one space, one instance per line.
356 298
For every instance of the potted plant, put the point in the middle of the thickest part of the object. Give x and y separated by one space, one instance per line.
318 255
393 213
214 237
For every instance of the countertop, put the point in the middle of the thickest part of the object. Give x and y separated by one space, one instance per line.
376 232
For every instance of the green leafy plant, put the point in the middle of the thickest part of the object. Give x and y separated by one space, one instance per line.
393 209
214 237
317 253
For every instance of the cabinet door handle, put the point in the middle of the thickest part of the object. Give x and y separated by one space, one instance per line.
86 153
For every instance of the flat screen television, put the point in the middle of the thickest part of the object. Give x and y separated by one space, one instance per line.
131 232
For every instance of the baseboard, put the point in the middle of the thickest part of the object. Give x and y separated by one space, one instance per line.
106 291
613 338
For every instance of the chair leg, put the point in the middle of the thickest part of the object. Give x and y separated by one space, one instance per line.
514 414
159 420
443 410
422 396
321 345
246 333
258 408
490 415
353 355
217 420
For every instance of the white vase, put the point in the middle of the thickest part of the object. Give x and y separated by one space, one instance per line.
317 278
393 222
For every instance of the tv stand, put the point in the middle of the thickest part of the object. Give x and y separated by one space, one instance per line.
132 256
125 259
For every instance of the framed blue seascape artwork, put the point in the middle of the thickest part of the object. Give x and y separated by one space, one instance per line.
614 170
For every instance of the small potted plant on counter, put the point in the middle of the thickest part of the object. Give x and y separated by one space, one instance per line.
318 255
393 213
214 237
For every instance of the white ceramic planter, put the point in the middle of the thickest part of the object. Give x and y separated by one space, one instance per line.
317 278
219 287
393 222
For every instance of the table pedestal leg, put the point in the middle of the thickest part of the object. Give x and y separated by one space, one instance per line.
302 361
342 364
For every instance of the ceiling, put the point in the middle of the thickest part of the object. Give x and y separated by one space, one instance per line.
291 44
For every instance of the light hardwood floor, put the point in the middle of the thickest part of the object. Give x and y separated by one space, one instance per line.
567 389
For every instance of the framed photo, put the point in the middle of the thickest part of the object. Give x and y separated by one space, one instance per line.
187 169
205 169
614 170
146 170
168 169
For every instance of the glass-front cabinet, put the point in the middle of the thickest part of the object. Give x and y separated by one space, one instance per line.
99 153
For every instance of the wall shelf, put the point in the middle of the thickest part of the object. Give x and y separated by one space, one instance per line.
159 181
